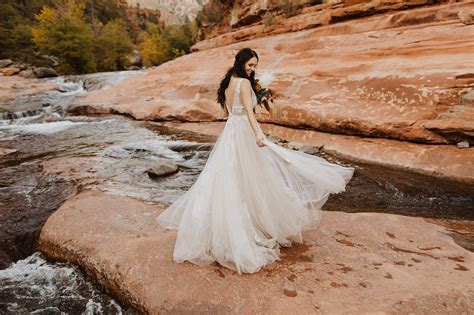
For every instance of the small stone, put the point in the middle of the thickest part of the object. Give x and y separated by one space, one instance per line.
43 72
162 168
295 145
308 149
27 74
23 66
5 63
10 71
462 144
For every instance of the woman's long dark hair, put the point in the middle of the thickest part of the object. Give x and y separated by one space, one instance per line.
237 69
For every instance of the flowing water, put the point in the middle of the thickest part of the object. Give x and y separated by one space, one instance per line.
47 157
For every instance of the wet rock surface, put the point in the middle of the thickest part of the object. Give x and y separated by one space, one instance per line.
43 164
36 286
369 77
112 154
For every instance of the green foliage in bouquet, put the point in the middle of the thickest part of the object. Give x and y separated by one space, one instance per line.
264 95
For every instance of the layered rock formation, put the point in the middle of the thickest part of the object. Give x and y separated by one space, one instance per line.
352 263
246 19
435 160
397 75
172 12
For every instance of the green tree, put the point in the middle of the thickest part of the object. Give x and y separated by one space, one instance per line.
180 38
15 33
154 49
64 33
113 45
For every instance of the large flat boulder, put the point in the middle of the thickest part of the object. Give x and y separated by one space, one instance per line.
350 263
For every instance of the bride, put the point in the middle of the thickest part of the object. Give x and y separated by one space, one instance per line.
252 196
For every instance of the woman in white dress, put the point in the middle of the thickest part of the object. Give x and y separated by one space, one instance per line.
252 196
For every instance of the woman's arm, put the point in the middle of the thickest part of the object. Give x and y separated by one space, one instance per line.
226 113
246 98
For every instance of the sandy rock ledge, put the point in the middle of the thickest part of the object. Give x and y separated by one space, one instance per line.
351 263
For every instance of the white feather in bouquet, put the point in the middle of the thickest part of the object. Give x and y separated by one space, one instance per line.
265 79
263 92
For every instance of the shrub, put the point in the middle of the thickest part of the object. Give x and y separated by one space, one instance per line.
113 45
154 49
64 33
270 19
288 7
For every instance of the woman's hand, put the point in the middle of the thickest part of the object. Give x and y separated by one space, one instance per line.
260 142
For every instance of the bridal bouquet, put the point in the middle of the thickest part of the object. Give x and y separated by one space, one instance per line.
264 93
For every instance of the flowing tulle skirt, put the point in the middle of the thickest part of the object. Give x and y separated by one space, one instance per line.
249 201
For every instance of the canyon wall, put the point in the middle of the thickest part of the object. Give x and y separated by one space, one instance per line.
404 75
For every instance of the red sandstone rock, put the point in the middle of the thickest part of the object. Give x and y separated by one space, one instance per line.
9 71
366 77
352 263
446 161
242 21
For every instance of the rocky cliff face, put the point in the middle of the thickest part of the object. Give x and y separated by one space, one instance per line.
400 75
173 12
246 19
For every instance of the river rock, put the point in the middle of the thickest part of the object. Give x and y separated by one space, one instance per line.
9 71
466 16
351 263
43 72
24 66
294 145
163 168
308 149
27 74
5 63
463 144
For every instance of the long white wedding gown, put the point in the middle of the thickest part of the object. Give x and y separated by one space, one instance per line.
249 200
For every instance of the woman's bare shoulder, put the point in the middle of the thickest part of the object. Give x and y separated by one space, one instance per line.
245 84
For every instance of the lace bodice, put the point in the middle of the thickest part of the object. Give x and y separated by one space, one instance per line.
237 106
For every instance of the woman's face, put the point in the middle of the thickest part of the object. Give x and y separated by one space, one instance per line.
250 66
